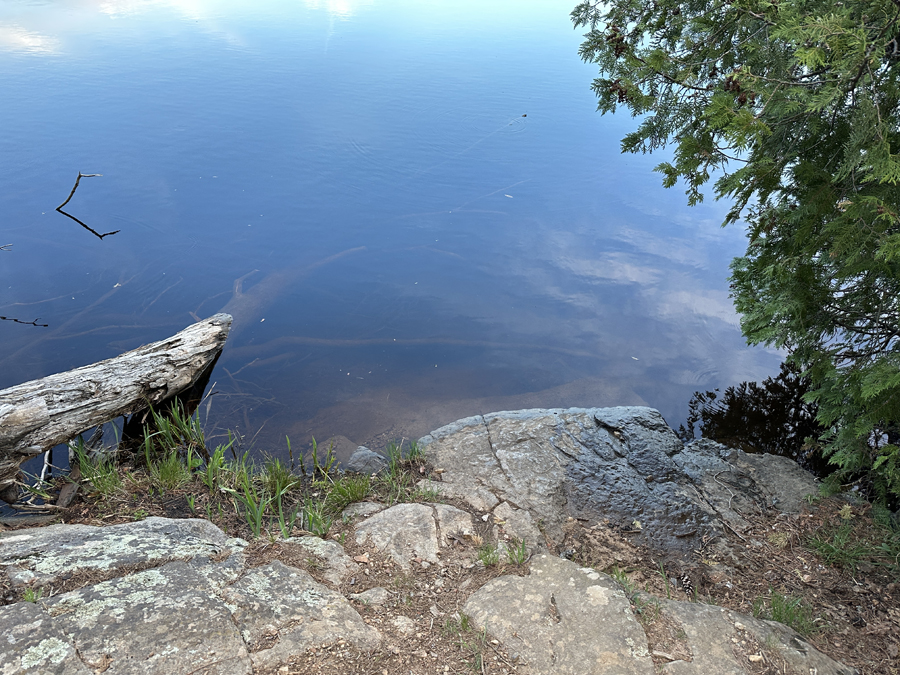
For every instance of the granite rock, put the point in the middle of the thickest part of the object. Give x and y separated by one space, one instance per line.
622 465
366 461
563 619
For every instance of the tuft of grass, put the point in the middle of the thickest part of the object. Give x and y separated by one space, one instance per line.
489 555
395 487
276 477
214 470
169 472
255 503
324 466
778 539
395 459
785 609
836 545
647 611
32 595
415 453
425 494
398 483
315 518
102 473
347 490
471 641
286 522
237 472
178 431
622 579
175 450
665 578
517 552
399 486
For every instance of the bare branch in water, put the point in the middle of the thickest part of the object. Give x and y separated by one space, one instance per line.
5 247
75 187
27 323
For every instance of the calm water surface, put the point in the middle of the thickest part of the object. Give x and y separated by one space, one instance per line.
428 216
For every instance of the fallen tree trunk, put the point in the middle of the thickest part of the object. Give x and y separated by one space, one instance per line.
38 415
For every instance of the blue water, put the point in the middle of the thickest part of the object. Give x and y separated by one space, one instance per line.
431 219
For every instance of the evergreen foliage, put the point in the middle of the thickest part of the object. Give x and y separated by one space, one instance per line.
795 104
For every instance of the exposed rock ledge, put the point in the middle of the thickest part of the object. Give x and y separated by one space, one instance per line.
178 596
619 464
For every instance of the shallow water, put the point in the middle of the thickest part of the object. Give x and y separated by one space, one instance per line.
428 216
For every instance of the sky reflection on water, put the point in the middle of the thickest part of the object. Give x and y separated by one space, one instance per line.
430 218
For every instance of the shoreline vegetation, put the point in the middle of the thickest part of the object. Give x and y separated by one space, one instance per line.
269 498
174 468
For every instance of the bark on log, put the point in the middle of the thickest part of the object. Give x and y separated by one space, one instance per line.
38 415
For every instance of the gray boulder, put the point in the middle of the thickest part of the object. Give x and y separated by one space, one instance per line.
366 461
277 600
374 596
117 625
338 565
409 532
31 642
45 555
164 596
713 634
404 531
563 619
624 465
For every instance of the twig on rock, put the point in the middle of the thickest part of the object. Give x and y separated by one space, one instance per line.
716 478
725 523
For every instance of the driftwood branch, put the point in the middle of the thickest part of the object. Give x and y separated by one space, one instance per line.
38 415
71 194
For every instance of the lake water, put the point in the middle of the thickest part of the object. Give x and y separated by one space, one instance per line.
429 217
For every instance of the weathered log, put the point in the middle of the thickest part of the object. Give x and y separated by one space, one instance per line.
37 415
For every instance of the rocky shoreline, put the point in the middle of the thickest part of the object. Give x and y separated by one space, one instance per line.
560 494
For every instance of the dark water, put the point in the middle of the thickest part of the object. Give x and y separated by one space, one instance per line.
430 218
